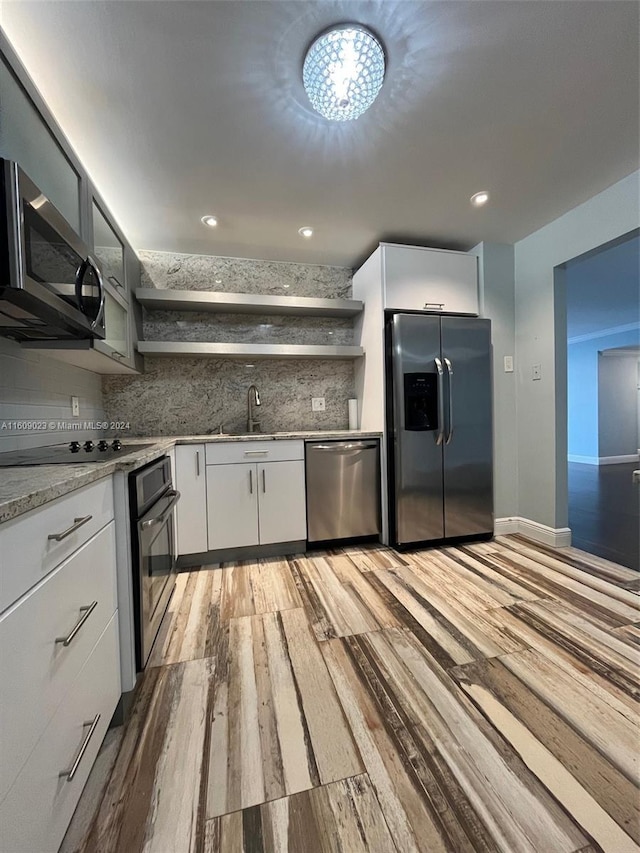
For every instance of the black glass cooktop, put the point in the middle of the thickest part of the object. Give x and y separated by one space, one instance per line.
74 453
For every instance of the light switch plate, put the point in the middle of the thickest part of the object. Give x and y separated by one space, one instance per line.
317 404
75 407
536 372
508 364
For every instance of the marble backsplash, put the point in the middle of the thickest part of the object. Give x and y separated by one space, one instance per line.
189 395
167 270
194 396
245 328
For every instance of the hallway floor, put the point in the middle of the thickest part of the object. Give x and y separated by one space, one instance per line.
478 698
604 511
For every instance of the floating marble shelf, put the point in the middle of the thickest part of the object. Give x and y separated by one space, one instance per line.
246 303
218 350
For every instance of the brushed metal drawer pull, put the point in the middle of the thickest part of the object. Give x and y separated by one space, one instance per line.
264 481
86 612
69 774
77 523
437 305
250 482
256 453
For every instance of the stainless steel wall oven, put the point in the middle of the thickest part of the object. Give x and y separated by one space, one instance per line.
151 500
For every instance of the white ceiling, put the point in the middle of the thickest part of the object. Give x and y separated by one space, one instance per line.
179 109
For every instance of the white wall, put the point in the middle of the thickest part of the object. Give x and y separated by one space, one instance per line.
540 309
617 405
583 392
497 303
35 388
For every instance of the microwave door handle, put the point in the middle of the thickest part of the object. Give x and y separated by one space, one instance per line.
100 314
82 271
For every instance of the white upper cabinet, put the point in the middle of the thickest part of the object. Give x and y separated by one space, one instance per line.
416 279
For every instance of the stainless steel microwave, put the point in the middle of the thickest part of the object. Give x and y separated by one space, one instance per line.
50 286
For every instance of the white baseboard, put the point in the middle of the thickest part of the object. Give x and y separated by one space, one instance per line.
618 460
504 526
604 460
557 537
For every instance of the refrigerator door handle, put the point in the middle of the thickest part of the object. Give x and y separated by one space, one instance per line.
450 372
440 433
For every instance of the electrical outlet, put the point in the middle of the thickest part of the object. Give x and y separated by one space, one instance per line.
75 407
317 404
508 364
536 372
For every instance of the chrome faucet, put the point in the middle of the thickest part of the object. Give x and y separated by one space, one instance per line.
253 399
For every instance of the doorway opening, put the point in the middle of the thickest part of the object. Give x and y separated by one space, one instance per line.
603 403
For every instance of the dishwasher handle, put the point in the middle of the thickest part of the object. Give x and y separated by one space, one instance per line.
340 446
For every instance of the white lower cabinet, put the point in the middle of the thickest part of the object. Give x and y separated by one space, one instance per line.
191 509
35 813
59 661
232 505
281 502
259 502
34 659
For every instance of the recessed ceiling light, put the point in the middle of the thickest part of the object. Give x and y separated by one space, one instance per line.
305 231
343 72
479 199
209 220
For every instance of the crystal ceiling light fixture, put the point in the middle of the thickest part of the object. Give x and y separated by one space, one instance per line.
343 72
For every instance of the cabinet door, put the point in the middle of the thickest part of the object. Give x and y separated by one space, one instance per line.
429 279
25 137
108 248
232 505
116 324
191 509
281 495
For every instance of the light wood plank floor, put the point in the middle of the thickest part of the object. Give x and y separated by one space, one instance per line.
476 698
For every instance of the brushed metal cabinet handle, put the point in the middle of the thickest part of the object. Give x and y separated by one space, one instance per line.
250 482
264 481
256 453
86 612
71 772
197 463
438 305
77 523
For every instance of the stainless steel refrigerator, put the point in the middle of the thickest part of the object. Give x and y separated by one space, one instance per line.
440 442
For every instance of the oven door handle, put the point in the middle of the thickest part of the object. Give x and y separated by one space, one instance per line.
175 497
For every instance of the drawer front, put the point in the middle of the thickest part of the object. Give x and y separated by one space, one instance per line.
228 453
36 672
36 812
26 552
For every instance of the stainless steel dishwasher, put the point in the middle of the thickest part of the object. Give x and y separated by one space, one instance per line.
343 489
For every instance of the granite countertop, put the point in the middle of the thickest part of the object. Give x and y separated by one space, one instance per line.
25 488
